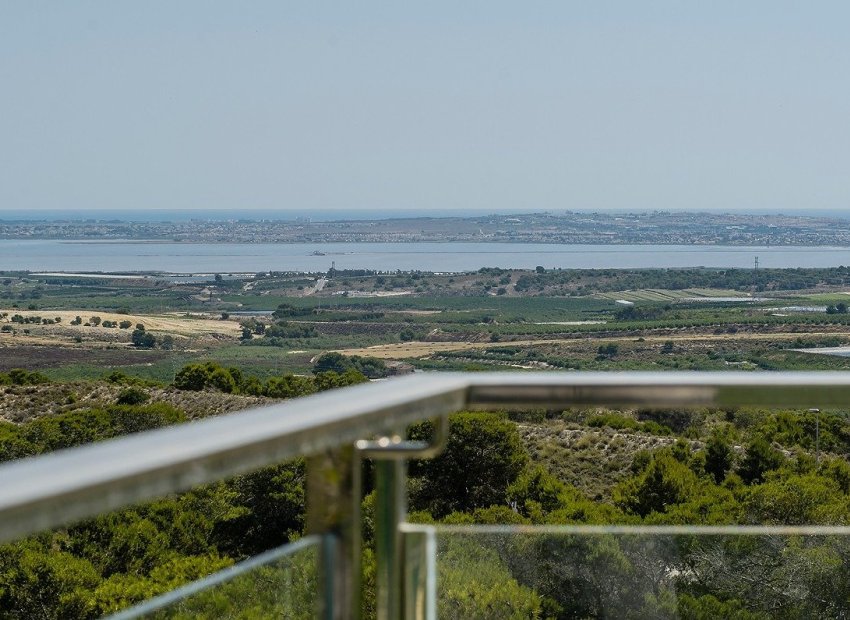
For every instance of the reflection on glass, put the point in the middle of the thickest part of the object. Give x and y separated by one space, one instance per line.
281 583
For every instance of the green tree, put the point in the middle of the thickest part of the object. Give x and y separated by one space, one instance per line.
336 362
132 396
192 377
760 458
142 339
372 367
477 585
12 443
45 583
719 456
797 500
536 492
122 590
330 380
485 447
289 386
221 380
19 376
708 607
272 510
252 385
664 483
285 311
125 419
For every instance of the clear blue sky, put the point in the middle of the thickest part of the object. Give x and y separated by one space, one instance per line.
430 105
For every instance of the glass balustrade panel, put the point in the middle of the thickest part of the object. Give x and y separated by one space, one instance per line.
470 572
282 583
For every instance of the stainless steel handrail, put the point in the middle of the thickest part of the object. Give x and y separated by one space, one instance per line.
55 489
51 490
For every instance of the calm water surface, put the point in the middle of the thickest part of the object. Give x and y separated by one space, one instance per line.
52 255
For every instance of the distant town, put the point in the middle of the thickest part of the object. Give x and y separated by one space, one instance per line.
657 227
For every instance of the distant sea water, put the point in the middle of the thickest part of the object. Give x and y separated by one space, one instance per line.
112 256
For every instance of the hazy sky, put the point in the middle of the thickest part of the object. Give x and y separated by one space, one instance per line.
445 105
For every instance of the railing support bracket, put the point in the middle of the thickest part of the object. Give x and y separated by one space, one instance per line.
390 454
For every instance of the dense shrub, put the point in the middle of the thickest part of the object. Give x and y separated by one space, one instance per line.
621 422
371 367
210 376
19 376
132 396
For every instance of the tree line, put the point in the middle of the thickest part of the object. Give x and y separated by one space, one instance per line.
604 280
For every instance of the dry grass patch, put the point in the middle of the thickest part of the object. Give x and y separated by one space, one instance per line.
22 403
592 459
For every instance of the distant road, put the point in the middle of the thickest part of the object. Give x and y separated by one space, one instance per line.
320 284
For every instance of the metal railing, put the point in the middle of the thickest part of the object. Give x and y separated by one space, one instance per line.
335 430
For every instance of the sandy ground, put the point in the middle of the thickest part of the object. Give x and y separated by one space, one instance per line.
421 349
173 324
8 340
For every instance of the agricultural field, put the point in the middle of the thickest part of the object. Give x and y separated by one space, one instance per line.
268 324
673 295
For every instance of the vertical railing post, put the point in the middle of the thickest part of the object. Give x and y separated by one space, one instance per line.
390 511
333 511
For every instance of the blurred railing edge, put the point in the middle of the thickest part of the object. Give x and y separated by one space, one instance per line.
629 530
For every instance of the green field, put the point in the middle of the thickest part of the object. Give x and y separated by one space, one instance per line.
669 295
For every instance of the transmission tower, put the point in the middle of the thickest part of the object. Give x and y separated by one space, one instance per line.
756 274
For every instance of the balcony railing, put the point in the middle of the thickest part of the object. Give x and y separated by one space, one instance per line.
320 574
